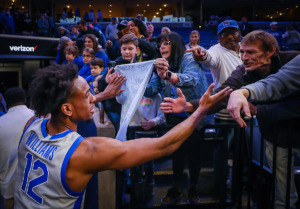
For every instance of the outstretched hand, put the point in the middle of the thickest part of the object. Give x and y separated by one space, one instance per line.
174 105
113 88
198 53
207 101
237 102
109 76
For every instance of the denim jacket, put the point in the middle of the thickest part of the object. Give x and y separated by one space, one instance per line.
192 80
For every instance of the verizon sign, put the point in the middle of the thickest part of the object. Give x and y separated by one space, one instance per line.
22 48
27 47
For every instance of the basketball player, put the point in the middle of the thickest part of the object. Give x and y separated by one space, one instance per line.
56 163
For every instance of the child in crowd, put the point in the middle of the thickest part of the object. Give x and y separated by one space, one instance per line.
72 53
97 67
147 115
88 54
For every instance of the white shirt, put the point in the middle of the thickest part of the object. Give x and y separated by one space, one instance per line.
221 62
11 128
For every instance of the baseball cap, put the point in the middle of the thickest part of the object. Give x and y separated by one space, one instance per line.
273 23
227 24
122 25
113 18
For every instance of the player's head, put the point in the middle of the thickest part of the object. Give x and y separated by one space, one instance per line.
59 90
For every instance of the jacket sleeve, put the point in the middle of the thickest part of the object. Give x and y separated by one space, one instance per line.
235 81
190 72
147 48
284 83
212 59
283 110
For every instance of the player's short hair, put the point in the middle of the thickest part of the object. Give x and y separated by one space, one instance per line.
51 87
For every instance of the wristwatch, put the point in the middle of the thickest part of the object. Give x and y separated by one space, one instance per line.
168 76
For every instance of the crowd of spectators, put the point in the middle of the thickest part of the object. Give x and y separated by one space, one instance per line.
179 73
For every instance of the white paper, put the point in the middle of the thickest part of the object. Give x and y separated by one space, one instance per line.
137 78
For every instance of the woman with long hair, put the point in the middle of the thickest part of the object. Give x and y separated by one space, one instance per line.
181 74
91 42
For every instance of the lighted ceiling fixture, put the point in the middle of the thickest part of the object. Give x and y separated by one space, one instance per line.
109 10
154 16
157 13
90 5
23 7
148 5
137 5
13 0
144 10
110 5
297 6
68 6
165 5
280 13
271 17
159 9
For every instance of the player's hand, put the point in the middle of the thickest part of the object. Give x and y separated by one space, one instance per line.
174 105
148 124
198 53
109 76
237 102
207 102
162 67
113 88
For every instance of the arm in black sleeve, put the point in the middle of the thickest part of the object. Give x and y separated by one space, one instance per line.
113 52
147 48
283 110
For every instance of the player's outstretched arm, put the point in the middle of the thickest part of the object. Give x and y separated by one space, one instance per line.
99 153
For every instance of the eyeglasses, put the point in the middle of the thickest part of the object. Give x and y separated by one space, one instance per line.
164 43
83 56
229 32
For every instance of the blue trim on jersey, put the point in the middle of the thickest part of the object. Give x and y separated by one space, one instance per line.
78 202
25 131
43 128
55 136
64 167
61 135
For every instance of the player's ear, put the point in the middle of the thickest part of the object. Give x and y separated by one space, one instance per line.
66 109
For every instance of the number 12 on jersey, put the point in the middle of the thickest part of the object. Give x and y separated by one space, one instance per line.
35 182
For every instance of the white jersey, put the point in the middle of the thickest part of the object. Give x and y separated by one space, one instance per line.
43 159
